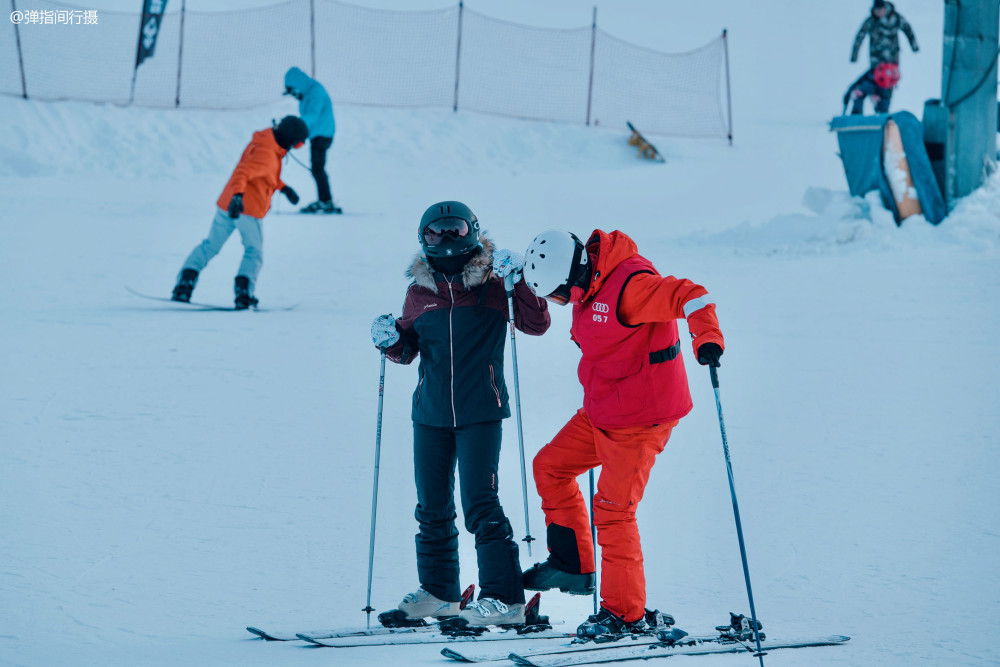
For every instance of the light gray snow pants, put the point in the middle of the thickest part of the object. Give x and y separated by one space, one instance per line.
222 227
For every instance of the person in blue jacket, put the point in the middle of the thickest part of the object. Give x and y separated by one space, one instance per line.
316 109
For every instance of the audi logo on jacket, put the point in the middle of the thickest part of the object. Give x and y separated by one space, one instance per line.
458 328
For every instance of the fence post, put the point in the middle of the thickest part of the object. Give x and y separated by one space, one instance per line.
593 40
20 56
180 55
729 96
458 52
312 34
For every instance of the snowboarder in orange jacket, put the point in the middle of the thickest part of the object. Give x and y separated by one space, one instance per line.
244 201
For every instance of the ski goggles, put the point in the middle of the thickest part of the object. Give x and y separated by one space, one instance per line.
439 230
561 295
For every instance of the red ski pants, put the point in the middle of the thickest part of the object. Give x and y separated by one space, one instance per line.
626 456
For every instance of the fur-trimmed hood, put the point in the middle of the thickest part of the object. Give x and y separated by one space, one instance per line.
476 271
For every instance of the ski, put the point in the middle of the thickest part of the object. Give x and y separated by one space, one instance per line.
194 305
433 637
454 629
392 622
698 646
660 630
338 632
575 646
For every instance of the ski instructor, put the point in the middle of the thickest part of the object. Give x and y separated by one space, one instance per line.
634 392
455 319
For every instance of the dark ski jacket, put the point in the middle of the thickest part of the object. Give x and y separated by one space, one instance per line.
458 327
883 33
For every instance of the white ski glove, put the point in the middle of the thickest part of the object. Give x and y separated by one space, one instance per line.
508 263
384 332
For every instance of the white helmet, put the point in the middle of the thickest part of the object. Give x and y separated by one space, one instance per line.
552 264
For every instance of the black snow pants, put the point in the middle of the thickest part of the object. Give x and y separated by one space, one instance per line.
476 449
318 147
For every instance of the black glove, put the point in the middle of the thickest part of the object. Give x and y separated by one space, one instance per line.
709 354
291 194
236 206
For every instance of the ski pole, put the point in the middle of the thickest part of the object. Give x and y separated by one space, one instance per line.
378 447
593 536
736 512
508 283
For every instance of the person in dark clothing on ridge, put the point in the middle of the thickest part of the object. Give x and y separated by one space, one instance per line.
882 28
455 318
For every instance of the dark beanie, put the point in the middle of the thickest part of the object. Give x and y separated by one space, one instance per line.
290 131
878 4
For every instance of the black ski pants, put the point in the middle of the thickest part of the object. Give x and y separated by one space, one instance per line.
476 450
318 147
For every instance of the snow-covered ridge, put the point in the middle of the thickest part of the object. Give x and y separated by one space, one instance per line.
68 139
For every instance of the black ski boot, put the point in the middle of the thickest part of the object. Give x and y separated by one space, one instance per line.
545 576
243 298
606 626
321 207
182 292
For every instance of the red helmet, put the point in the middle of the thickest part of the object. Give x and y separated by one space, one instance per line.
886 75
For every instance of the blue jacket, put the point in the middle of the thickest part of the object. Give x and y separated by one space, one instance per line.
315 107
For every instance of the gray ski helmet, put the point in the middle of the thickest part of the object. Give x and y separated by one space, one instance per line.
447 229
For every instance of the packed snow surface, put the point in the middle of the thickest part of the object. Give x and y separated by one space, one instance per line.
169 476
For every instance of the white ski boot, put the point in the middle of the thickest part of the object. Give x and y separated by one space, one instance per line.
421 604
490 611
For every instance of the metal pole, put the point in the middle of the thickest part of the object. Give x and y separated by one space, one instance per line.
312 34
736 512
729 95
593 537
458 61
509 285
180 55
138 50
131 95
590 85
378 447
20 56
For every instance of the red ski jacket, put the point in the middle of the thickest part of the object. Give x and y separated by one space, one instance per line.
632 371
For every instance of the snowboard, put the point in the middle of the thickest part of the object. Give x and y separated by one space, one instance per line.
194 305
646 149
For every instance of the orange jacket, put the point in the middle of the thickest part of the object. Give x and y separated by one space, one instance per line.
651 298
257 176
